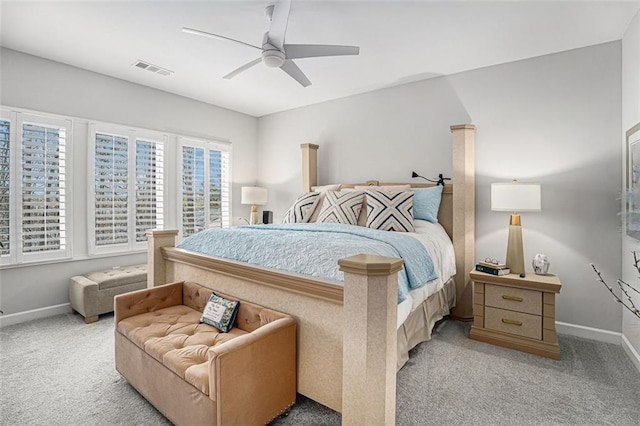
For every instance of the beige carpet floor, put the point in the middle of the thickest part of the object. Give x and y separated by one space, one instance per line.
59 371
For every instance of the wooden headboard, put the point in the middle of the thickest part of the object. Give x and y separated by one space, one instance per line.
445 214
457 208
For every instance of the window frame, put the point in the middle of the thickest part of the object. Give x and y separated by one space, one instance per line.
17 119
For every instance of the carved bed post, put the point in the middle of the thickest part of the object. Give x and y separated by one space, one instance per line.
369 349
464 216
309 166
156 265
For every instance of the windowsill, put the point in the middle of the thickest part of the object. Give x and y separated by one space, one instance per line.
70 259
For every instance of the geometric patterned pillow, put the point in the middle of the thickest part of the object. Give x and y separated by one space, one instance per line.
220 312
341 207
302 208
362 219
390 211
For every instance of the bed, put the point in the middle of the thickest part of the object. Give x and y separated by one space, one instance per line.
352 335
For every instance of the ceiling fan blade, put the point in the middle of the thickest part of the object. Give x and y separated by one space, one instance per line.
296 51
242 68
279 20
296 73
215 36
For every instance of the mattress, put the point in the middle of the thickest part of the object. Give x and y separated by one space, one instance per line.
314 249
440 249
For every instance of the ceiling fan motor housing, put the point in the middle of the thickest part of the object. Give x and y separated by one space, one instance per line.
273 58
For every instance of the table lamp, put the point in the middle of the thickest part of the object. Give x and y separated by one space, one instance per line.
255 196
515 197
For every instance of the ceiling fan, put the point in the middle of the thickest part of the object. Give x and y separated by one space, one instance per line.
277 54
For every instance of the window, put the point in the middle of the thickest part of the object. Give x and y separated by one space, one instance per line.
127 188
33 196
5 184
205 176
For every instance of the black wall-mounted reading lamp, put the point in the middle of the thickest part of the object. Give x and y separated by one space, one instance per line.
440 180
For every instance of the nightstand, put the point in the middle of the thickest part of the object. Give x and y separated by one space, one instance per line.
517 313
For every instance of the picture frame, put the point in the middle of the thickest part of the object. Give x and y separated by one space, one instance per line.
632 193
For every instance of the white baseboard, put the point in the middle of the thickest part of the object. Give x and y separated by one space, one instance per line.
630 350
25 316
597 334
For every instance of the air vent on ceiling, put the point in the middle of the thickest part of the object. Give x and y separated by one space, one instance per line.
153 68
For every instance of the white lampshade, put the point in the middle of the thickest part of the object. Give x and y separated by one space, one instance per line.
254 195
515 197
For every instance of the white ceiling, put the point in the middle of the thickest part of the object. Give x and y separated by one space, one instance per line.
400 41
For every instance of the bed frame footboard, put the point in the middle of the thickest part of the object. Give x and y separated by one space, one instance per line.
357 343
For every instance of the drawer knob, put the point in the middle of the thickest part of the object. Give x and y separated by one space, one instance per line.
512 322
514 298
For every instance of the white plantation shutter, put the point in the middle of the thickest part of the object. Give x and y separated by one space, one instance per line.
193 194
111 180
35 205
128 184
5 186
219 212
149 187
205 186
44 179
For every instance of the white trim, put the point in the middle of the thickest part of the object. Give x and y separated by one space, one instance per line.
585 332
24 316
631 352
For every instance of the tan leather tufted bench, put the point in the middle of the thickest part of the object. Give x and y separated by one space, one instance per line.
92 294
193 373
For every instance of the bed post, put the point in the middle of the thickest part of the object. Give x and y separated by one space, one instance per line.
369 349
309 166
464 217
156 264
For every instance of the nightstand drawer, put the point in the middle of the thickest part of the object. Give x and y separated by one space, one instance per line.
513 299
517 323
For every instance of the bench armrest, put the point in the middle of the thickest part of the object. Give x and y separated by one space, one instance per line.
253 374
146 300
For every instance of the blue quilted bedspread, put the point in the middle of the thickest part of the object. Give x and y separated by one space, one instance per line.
314 249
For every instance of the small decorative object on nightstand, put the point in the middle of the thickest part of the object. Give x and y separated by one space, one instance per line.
540 264
517 313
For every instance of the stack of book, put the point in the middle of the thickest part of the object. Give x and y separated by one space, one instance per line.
493 268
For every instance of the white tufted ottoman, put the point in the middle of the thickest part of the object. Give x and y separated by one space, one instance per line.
92 294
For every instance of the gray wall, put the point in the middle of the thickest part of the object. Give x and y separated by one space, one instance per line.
630 117
38 84
554 119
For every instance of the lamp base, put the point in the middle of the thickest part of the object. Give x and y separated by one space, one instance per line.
253 220
515 253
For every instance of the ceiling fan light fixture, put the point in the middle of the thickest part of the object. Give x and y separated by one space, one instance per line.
273 58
